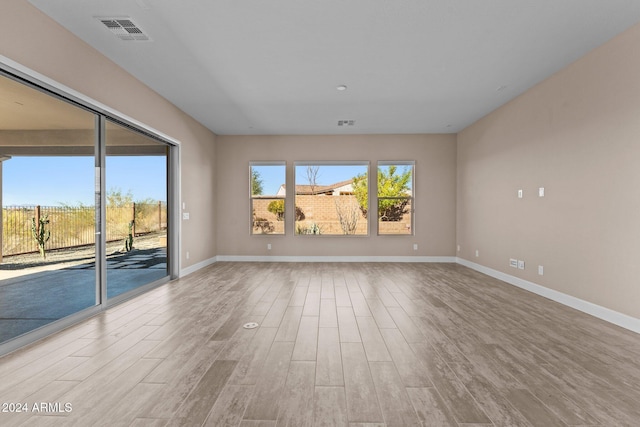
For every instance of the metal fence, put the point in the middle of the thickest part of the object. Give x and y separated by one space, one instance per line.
73 226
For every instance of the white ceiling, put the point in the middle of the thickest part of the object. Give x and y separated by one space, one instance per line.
411 66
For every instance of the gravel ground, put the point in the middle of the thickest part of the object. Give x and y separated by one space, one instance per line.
59 258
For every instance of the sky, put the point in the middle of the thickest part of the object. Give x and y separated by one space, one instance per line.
54 181
329 174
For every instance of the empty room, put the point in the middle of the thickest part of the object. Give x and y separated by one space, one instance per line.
359 213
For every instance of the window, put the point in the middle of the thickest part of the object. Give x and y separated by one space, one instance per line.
395 198
326 199
268 191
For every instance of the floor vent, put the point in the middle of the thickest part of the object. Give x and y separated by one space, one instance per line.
124 28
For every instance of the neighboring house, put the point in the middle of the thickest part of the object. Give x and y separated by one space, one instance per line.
342 188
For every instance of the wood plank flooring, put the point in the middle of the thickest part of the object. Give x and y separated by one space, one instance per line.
338 345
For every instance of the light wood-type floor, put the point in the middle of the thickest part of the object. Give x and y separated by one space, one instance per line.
338 345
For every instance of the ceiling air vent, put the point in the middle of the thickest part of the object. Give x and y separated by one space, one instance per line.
124 29
346 122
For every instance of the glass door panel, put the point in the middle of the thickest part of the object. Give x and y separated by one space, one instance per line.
136 210
47 168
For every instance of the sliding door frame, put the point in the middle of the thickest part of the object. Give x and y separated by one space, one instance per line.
101 211
17 72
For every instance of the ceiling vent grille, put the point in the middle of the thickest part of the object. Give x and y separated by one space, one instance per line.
346 122
124 29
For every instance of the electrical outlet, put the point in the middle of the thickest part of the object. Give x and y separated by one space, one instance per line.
477 253
268 246
541 192
415 246
520 265
185 215
520 194
187 254
541 270
513 263
458 248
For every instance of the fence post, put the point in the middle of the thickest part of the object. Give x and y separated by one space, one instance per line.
133 219
37 215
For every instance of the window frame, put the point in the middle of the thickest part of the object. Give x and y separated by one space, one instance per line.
411 198
365 163
253 197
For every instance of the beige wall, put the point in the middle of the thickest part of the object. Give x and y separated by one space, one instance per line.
435 157
578 135
30 38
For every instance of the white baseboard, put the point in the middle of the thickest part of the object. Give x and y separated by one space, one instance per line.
611 316
267 258
197 266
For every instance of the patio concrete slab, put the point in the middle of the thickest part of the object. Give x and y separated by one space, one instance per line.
30 301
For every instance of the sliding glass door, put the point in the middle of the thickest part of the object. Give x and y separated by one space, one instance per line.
85 211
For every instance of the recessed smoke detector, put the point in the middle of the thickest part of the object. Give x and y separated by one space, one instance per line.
346 122
124 28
